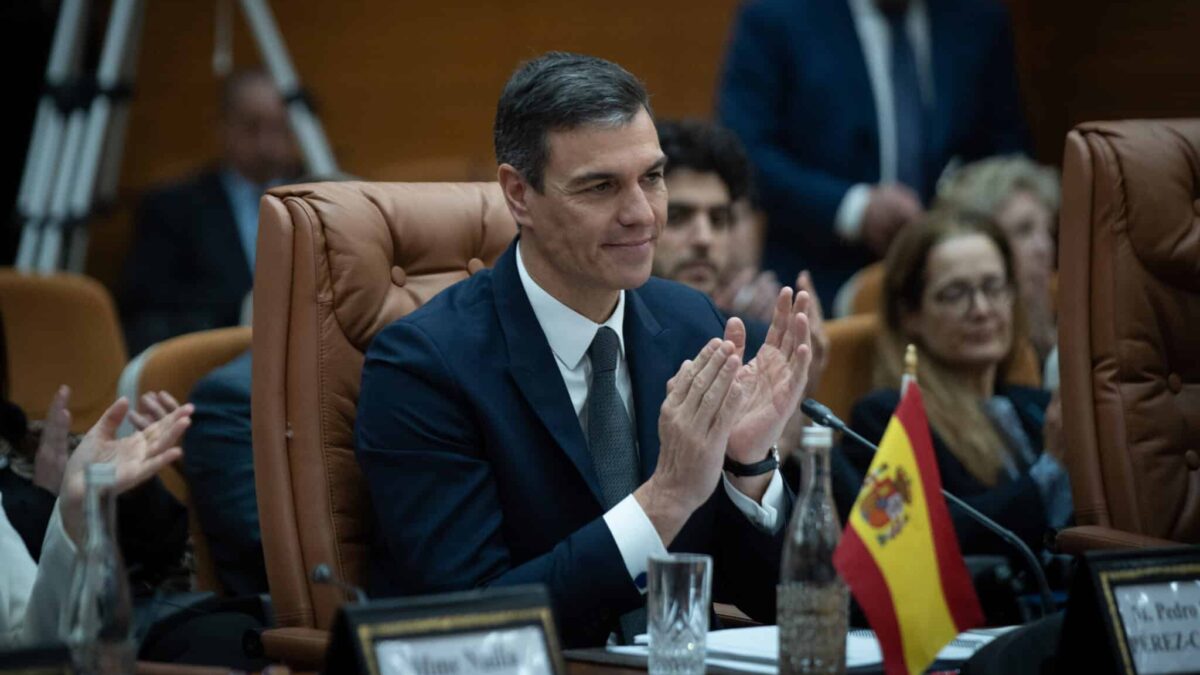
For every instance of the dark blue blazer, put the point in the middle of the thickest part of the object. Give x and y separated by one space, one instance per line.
186 270
218 460
1015 504
479 471
795 89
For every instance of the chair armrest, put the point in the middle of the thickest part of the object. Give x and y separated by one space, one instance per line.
299 648
1076 540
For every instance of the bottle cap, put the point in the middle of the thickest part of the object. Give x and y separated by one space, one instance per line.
101 473
817 435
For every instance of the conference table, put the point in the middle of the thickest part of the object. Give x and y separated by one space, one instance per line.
574 667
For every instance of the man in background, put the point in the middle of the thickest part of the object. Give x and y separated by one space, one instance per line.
191 264
850 111
708 175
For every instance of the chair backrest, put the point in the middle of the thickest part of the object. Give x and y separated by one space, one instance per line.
61 329
862 293
336 263
848 369
175 366
1129 313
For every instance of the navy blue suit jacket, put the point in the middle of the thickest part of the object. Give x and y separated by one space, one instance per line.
218 460
479 470
795 89
186 270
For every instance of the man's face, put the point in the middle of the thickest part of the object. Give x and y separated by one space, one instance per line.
694 246
591 231
257 140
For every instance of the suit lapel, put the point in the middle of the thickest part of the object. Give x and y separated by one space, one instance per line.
650 367
533 367
843 46
220 231
943 49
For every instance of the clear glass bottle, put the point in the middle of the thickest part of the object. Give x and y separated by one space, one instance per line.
97 625
813 602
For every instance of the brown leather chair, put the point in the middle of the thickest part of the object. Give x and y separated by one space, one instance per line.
862 293
175 366
61 329
1129 313
336 263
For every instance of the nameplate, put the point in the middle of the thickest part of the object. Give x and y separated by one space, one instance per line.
1146 606
503 631
506 651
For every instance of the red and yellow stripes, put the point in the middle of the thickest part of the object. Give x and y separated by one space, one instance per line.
899 553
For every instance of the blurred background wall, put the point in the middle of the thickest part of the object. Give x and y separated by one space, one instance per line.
407 90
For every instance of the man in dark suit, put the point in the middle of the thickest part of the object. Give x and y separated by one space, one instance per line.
219 464
851 110
563 416
191 264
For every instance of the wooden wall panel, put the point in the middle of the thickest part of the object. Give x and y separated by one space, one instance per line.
408 89
1086 60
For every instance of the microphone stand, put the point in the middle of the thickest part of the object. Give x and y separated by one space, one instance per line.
823 416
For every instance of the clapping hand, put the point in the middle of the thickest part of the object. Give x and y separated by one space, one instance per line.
774 380
137 457
152 407
51 458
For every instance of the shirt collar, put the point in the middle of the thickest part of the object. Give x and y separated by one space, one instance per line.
568 332
234 180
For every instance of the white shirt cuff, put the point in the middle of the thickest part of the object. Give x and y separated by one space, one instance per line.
48 597
636 538
848 221
765 516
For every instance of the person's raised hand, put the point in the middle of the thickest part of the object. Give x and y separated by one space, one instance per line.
774 380
816 332
51 458
137 457
703 401
152 407
889 208
750 295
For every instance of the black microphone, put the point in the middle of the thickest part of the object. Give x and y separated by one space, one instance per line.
823 416
322 574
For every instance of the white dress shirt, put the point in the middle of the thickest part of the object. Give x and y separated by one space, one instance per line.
570 334
875 38
33 595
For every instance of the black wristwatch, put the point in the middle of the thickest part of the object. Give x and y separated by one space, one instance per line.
756 469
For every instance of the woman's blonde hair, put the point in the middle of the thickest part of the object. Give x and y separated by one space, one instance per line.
984 186
955 412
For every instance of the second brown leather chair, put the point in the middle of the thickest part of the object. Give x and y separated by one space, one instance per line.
1129 290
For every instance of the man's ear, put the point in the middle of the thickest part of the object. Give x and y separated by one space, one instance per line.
516 192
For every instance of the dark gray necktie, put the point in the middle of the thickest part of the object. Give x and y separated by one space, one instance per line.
906 100
611 440
610 433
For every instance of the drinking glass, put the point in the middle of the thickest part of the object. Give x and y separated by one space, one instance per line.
680 588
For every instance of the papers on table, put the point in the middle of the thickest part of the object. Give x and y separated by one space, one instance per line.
756 650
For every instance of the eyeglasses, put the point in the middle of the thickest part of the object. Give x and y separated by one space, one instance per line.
959 296
720 217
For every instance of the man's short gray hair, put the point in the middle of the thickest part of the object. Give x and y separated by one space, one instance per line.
556 92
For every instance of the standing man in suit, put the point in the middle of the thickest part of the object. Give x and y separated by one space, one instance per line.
563 416
191 264
851 110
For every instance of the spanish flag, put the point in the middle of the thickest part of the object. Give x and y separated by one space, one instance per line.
899 553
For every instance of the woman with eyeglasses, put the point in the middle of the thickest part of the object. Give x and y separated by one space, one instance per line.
949 289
